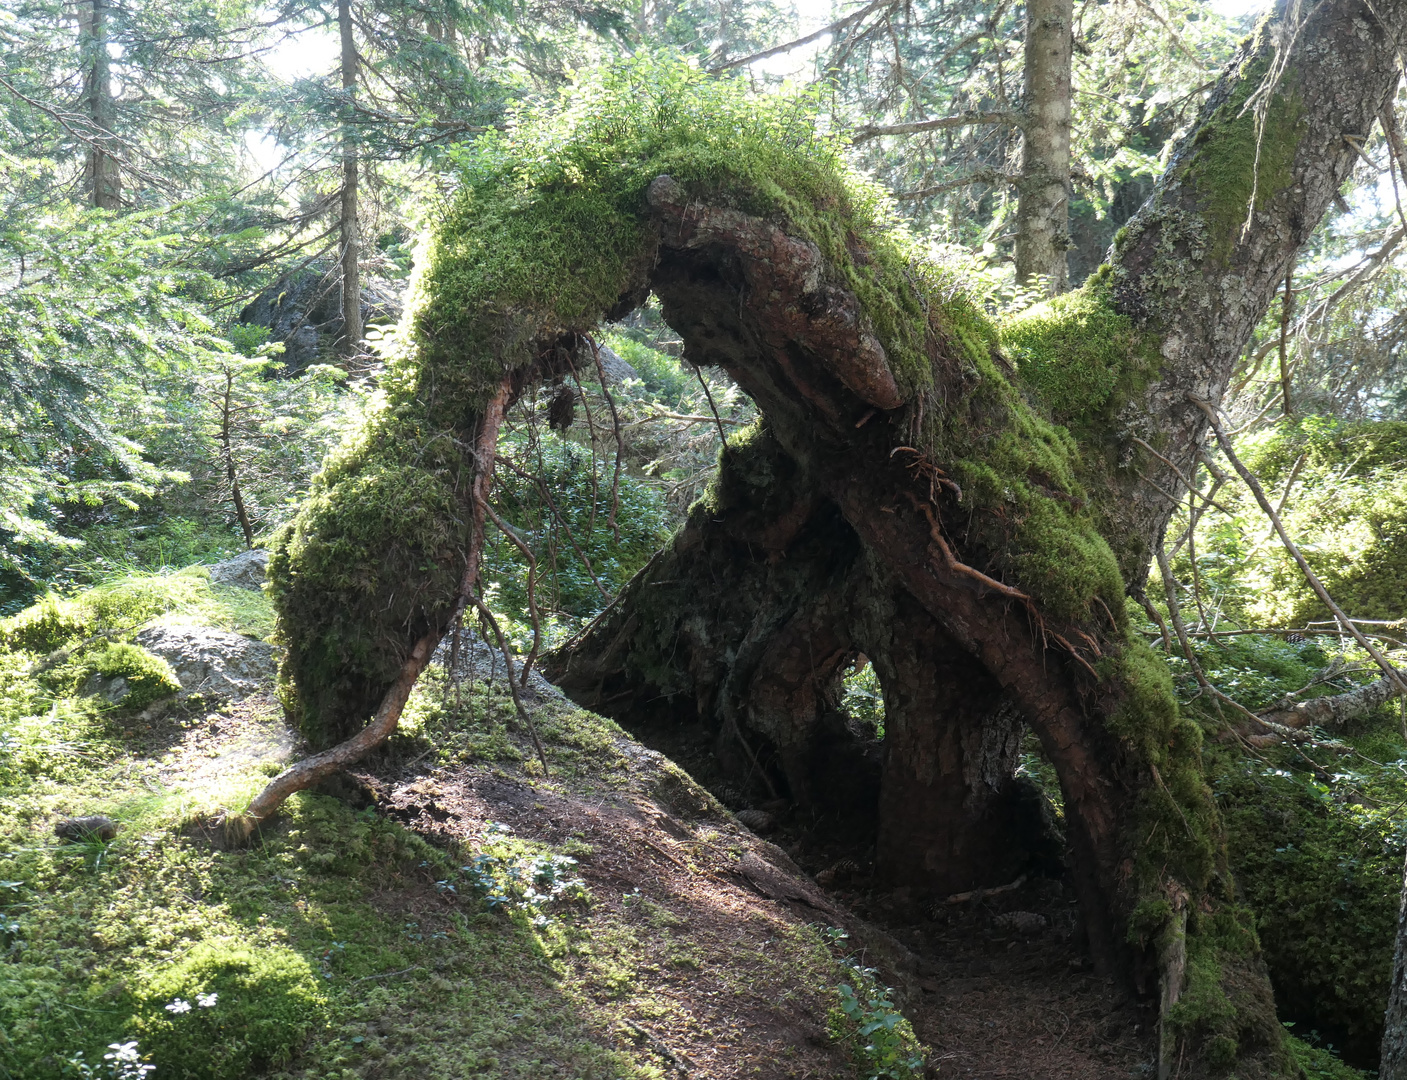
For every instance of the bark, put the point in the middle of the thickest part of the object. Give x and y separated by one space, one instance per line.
1336 710
1186 271
350 228
1042 213
1393 1063
949 809
747 297
101 173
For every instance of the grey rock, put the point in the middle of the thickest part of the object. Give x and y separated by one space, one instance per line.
77 829
304 311
477 660
247 570
212 662
111 688
617 368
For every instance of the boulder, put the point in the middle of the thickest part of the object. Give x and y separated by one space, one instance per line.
304 311
246 570
212 662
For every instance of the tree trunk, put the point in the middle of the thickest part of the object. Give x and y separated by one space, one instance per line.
350 341
102 176
948 804
1042 212
227 452
1185 288
1393 1065
930 463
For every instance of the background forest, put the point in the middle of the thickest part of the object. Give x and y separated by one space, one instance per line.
209 212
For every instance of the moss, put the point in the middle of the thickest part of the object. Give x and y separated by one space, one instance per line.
1231 163
1320 860
1226 1015
1077 353
119 607
149 678
44 626
265 1001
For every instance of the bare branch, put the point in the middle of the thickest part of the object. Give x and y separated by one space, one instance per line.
978 176
834 28
1310 576
1001 117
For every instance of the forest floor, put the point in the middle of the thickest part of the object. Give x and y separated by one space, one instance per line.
712 917
447 910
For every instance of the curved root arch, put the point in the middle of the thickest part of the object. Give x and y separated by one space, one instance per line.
896 444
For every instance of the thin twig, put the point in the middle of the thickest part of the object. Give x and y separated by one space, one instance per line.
1290 546
523 713
517 542
620 439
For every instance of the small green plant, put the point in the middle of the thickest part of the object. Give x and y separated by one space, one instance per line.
149 678
880 1027
121 1062
863 698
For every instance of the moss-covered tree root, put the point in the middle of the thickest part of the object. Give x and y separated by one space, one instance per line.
1014 524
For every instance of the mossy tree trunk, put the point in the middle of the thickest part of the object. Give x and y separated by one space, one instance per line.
969 512
1162 324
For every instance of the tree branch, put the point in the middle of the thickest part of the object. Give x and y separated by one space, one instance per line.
979 176
834 28
1389 672
1337 709
1002 117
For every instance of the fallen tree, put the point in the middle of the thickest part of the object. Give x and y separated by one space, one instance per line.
968 510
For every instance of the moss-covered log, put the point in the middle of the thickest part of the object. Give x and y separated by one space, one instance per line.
1005 489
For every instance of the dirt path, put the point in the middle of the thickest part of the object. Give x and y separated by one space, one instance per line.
713 928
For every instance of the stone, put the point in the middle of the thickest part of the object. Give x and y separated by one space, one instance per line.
78 829
214 663
110 688
247 570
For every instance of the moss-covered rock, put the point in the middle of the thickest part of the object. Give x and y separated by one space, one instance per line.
129 675
227 1010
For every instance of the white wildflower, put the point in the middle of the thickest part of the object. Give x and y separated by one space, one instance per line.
178 1007
206 1001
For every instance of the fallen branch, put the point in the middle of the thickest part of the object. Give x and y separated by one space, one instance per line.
1337 709
304 774
679 1064
978 894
